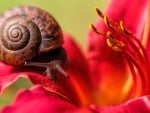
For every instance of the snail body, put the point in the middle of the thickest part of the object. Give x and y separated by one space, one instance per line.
27 32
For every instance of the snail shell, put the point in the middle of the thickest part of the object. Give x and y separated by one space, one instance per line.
26 31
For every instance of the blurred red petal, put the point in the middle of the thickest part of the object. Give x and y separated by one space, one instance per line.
38 100
77 61
78 69
139 105
51 102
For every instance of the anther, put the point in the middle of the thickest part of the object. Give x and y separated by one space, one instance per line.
106 21
109 34
124 29
112 42
95 29
99 12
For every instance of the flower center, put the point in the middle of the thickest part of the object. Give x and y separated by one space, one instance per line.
122 40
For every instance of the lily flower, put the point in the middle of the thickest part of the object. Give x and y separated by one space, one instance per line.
113 76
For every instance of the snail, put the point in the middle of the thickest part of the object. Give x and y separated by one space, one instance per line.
30 36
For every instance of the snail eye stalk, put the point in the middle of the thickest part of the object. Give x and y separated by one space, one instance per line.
122 40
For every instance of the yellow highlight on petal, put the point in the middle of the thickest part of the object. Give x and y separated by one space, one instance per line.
82 92
128 85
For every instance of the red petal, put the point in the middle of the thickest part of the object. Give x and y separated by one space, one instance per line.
38 100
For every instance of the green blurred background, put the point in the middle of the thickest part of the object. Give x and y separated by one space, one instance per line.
74 16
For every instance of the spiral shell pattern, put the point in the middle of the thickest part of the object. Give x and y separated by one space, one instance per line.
19 40
25 32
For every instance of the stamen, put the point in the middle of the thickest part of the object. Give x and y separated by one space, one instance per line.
133 41
122 40
138 77
106 21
